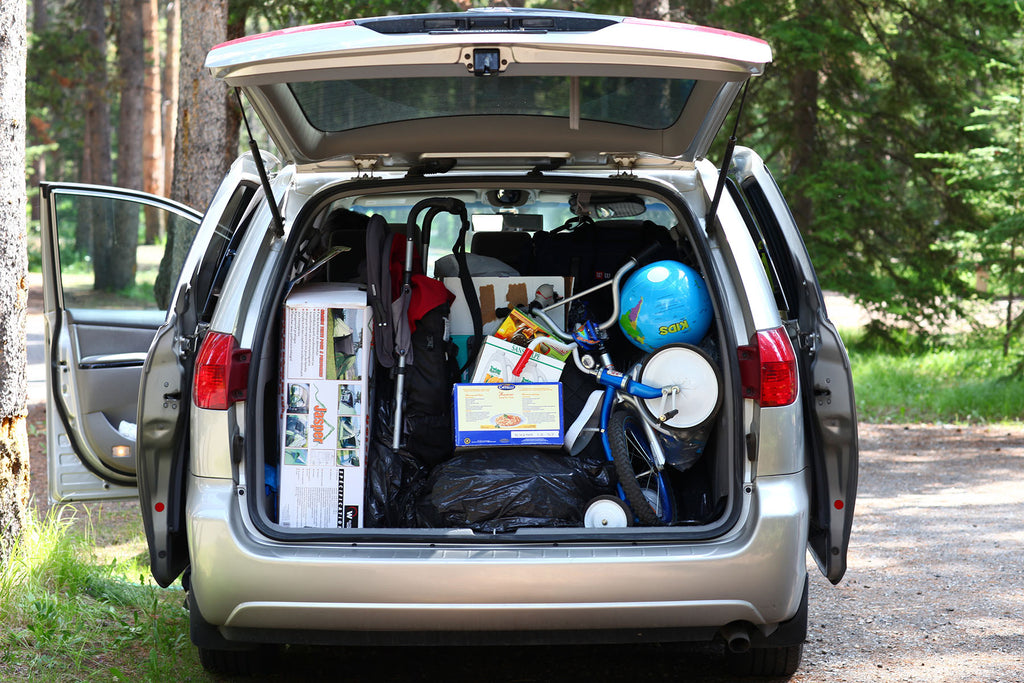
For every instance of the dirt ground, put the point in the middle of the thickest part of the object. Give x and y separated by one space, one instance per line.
934 590
935 585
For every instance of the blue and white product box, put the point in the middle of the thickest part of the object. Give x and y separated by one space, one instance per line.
325 359
508 415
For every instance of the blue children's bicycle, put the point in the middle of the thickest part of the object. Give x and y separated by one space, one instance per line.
659 412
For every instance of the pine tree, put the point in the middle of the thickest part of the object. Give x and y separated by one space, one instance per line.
14 465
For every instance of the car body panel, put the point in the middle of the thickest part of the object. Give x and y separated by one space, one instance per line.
237 575
165 397
830 410
164 394
95 354
265 67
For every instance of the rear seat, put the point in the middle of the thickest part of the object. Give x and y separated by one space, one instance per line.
592 252
513 248
345 228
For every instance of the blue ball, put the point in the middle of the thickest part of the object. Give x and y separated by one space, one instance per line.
664 303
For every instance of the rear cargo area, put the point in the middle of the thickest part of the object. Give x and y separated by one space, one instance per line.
428 380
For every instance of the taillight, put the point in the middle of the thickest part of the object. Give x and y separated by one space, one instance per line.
768 369
222 372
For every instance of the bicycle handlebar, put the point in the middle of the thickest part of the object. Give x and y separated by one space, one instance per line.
629 265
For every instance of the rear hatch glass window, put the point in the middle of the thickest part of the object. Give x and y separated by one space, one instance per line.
648 103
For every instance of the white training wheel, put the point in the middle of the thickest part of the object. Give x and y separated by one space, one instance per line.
697 381
606 512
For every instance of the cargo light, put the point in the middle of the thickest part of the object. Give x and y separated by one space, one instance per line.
222 372
768 369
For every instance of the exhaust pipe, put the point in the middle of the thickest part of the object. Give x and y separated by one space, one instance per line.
737 637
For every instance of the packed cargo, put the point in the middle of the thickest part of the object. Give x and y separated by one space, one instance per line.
562 375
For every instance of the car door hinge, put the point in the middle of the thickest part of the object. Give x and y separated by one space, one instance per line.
187 343
809 341
183 346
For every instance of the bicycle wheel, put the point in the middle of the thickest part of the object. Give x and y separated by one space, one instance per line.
645 487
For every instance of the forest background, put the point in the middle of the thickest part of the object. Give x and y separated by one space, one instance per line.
895 127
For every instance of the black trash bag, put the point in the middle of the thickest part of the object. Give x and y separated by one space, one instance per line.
504 489
394 479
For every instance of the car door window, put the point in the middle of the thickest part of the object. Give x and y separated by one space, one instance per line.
114 250
759 239
217 259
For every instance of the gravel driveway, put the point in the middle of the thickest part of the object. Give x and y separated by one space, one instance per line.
934 590
935 585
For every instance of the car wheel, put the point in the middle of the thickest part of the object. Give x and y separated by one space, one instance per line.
767 661
232 662
221 656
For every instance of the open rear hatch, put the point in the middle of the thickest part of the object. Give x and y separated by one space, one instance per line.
324 402
502 83
509 88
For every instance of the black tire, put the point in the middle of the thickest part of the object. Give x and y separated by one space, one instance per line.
221 656
645 487
767 662
233 662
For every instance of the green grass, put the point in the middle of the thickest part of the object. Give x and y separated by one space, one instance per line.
969 382
77 607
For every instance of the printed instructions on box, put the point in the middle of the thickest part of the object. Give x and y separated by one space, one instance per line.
321 477
522 412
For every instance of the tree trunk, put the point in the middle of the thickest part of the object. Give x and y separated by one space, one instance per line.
803 89
40 21
14 463
169 90
115 241
233 122
199 160
152 139
96 165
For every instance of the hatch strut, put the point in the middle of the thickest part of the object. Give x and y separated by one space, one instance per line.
277 224
709 221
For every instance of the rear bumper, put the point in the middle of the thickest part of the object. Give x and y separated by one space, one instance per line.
246 583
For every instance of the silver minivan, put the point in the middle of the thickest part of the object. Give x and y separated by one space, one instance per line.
528 147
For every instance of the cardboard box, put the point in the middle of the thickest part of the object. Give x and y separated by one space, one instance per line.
494 294
521 329
508 415
498 360
326 361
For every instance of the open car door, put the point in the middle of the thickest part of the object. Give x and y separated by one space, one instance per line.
120 362
102 311
830 412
